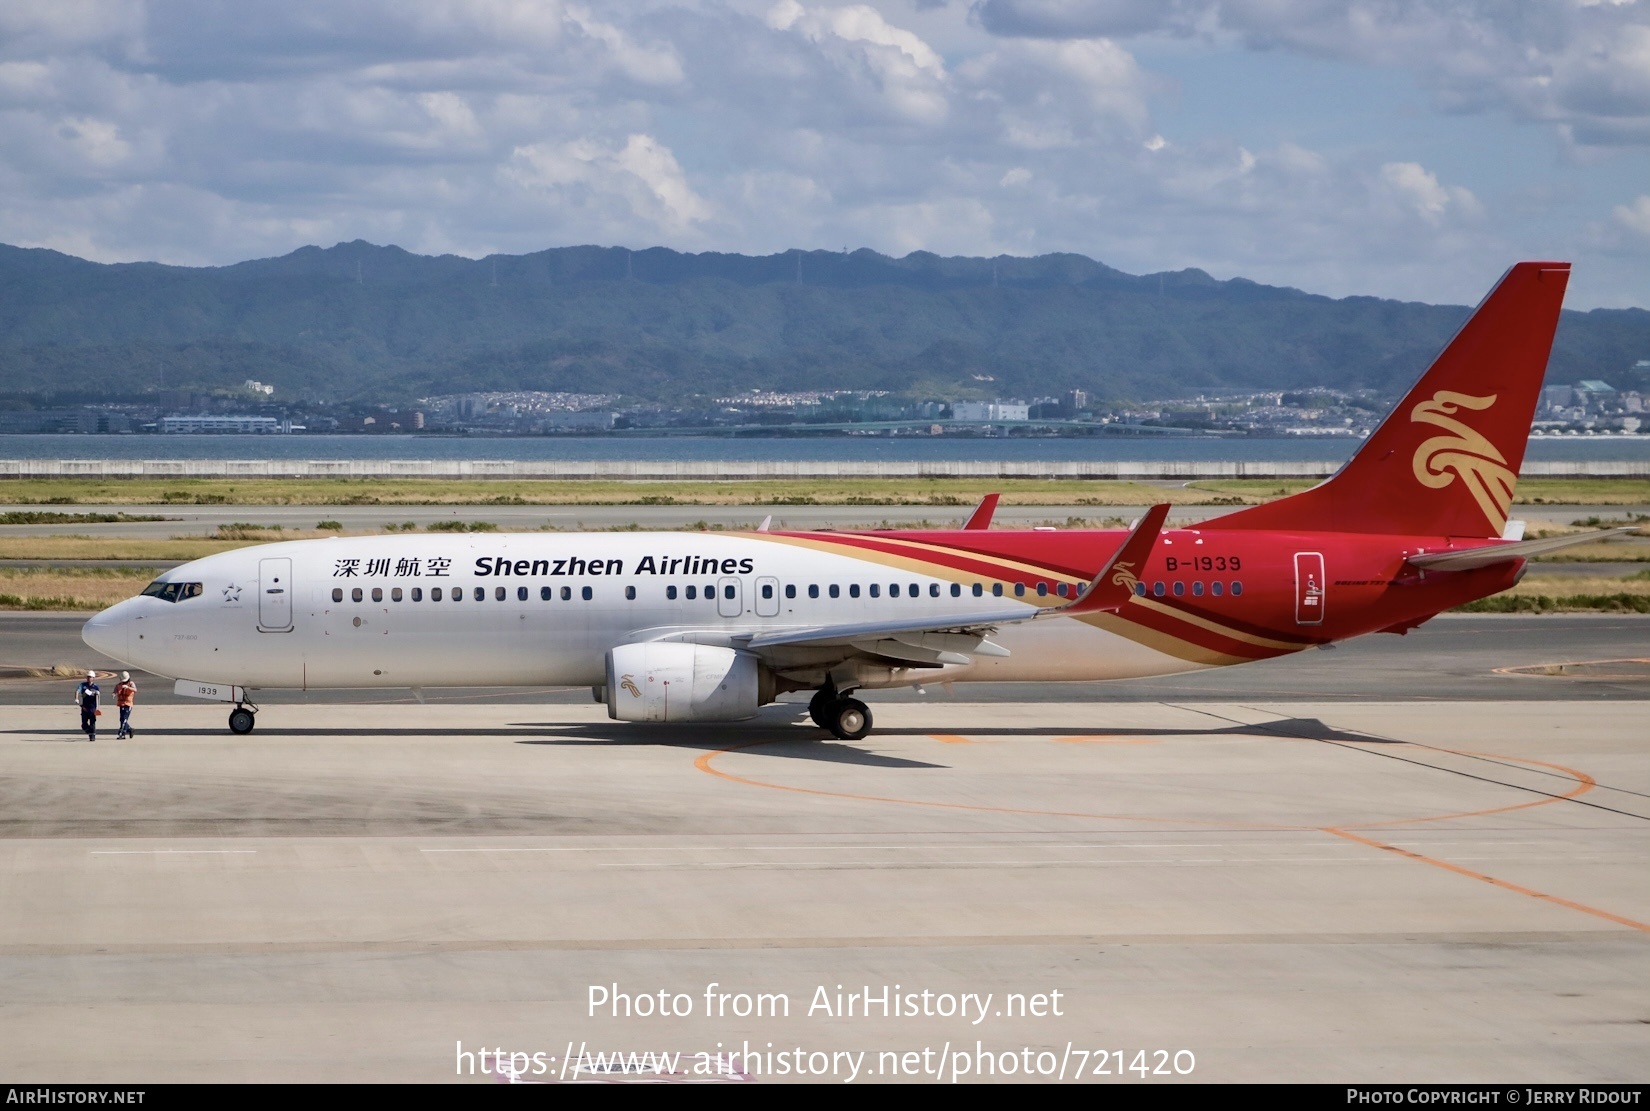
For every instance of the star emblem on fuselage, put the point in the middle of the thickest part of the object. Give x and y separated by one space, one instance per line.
232 593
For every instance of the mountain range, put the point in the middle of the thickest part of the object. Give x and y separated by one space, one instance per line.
363 322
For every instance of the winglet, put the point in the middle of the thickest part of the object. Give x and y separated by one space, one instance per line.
1114 585
981 517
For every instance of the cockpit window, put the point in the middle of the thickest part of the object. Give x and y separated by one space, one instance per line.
172 592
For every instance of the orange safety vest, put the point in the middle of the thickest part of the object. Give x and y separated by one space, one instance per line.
125 693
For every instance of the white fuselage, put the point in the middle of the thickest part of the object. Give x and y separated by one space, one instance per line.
541 609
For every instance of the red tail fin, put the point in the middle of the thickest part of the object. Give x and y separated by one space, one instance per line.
1446 460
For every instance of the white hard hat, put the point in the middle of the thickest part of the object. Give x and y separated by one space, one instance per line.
91 675
125 676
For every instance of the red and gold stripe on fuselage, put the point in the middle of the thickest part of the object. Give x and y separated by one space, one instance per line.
1175 628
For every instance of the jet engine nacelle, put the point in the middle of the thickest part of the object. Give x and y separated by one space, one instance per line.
658 681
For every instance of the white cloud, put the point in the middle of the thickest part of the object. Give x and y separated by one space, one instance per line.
643 173
1416 189
1582 65
880 62
1635 217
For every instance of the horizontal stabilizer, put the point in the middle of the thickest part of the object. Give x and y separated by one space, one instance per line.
1468 558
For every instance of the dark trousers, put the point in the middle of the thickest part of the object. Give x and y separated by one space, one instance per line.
125 727
88 721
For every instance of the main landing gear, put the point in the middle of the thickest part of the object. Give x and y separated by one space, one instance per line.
847 719
242 719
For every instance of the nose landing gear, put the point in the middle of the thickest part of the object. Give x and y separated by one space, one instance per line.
242 719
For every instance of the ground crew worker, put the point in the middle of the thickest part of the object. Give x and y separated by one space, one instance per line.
85 697
125 695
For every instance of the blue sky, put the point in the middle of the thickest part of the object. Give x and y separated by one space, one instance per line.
1400 148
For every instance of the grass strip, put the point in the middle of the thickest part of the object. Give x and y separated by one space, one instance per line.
1563 603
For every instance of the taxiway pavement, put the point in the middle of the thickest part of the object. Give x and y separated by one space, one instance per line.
1303 884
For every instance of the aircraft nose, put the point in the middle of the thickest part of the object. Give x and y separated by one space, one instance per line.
106 633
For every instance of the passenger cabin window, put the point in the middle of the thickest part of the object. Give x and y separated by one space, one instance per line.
567 594
378 594
790 591
1019 590
355 595
587 593
997 590
418 594
545 593
978 590
1216 589
630 593
337 593
172 592
692 593
813 590
1237 588
1042 590
670 592
481 594
395 594
521 594
836 591
853 590
435 594
767 592
498 593
876 590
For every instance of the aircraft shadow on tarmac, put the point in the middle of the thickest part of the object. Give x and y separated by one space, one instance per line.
773 740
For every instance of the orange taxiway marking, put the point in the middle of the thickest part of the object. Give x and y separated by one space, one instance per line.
1503 884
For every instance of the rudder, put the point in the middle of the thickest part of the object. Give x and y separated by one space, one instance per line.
1445 462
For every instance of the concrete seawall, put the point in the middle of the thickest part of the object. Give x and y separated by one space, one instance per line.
711 470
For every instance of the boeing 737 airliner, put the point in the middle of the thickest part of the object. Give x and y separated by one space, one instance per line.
682 627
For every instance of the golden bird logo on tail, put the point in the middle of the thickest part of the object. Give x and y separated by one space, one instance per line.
1466 453
1123 575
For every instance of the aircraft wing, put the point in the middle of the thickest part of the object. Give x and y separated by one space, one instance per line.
948 638
1469 558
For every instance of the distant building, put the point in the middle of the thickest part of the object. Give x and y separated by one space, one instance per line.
1556 397
223 424
990 410
87 421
